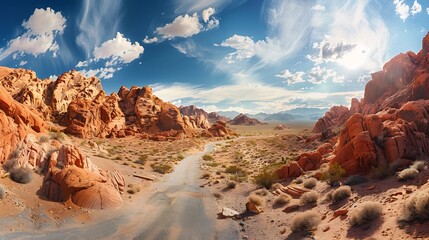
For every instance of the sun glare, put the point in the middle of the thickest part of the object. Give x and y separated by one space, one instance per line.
354 59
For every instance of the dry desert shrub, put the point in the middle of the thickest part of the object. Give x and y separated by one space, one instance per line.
298 180
2 192
206 175
309 197
231 184
341 193
133 188
261 192
257 200
282 199
407 174
310 183
266 178
276 186
355 180
306 221
416 207
418 165
365 213
21 175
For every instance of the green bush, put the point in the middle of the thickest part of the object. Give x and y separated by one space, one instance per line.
334 174
265 178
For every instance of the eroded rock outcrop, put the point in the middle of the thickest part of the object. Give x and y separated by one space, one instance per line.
195 117
100 117
150 114
219 129
73 177
16 122
49 98
336 116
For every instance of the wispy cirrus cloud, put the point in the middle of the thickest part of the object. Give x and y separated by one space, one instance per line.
262 97
97 21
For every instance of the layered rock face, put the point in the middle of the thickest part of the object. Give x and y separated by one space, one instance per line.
242 119
149 113
16 122
100 117
336 116
49 98
82 106
195 117
73 177
390 124
219 129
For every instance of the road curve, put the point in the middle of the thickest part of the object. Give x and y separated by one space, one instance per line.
178 209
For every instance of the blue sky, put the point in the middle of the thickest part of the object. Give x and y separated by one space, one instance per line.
249 56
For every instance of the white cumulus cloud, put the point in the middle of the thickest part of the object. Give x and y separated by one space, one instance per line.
43 26
114 53
148 40
244 46
291 78
416 8
318 75
207 13
183 26
118 50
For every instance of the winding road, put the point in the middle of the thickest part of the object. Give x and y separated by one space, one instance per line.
178 209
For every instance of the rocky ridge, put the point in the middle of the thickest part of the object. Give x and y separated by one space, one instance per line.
388 126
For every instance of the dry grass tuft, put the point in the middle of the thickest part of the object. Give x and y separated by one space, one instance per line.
282 200
306 221
365 213
408 174
416 207
310 183
341 193
257 200
309 197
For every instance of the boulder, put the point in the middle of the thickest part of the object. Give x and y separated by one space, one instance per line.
253 208
290 170
73 177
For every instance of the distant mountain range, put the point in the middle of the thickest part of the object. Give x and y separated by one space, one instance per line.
283 116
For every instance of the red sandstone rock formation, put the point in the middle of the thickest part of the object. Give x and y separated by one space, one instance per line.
242 119
195 117
100 117
336 117
16 122
219 129
215 117
73 177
